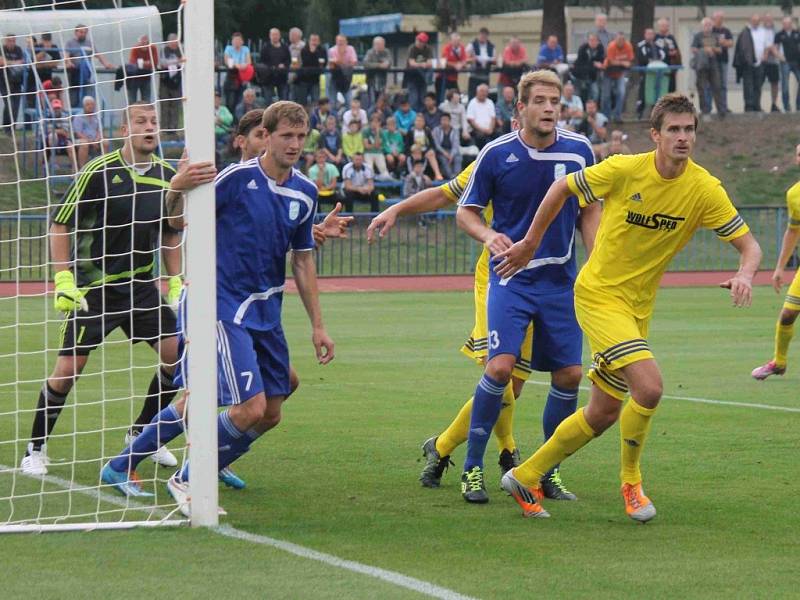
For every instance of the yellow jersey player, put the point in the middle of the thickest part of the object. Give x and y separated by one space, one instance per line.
784 329
653 204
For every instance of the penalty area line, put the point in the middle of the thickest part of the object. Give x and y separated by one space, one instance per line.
392 577
790 409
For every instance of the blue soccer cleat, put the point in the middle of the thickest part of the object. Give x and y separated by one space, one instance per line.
231 479
127 484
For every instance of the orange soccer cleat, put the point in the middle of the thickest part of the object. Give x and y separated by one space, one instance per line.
529 498
637 505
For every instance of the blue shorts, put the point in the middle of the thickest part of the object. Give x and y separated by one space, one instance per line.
557 337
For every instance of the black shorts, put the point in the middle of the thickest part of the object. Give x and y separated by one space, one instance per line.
772 72
137 309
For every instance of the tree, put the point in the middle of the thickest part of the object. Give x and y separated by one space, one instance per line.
554 22
644 15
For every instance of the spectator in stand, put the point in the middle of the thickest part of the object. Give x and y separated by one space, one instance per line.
354 113
377 61
373 148
405 115
669 45
169 90
58 134
505 109
482 57
78 53
593 124
313 60
237 58
588 68
416 181
331 142
223 121
381 107
481 116
454 56
342 59
515 62
326 177
359 184
420 59
573 104
419 135
601 30
551 55
458 114
430 111
46 57
142 61
249 102
706 50
393 146
88 132
746 61
615 145
12 72
769 69
320 114
788 42
310 147
619 58
53 90
647 51
296 45
273 71
353 140
448 147
725 38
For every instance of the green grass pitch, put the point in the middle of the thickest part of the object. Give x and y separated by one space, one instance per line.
340 473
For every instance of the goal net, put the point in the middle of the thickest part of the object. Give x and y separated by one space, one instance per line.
79 194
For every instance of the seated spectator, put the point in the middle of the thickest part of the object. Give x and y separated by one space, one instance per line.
359 184
377 61
381 107
593 124
352 140
223 121
405 115
448 148
454 56
311 147
326 177
416 181
320 114
458 114
563 118
249 102
373 148
58 135
588 67
142 61
394 145
88 132
419 135
505 109
331 142
515 62
354 112
53 90
573 103
616 145
415 154
550 54
430 111
481 116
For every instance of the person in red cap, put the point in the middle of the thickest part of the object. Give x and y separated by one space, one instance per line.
58 138
420 58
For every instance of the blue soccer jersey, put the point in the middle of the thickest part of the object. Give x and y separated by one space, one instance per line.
258 222
515 177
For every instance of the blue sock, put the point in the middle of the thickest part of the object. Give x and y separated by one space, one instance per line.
231 443
164 427
486 405
561 403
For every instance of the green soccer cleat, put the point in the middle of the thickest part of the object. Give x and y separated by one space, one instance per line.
553 487
473 488
435 465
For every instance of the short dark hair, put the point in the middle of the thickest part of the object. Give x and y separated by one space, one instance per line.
484 30
431 95
47 36
284 110
418 162
675 103
445 114
249 121
323 100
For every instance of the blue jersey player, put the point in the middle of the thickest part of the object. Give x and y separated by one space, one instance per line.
268 208
513 173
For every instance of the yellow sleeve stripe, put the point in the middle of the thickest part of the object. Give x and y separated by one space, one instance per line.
794 223
79 185
583 186
731 227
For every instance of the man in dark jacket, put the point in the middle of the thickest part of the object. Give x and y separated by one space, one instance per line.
273 70
744 61
588 68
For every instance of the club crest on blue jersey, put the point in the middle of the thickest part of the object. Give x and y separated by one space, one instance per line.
559 171
294 209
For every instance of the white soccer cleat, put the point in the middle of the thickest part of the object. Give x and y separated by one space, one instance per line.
179 490
35 461
162 456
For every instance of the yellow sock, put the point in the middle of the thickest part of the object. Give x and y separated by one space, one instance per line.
504 428
634 425
572 434
456 433
783 335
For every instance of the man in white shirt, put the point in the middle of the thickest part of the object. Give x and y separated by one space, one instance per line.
359 184
481 116
355 113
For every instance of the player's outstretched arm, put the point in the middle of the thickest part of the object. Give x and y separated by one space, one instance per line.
741 284
790 239
470 220
519 254
305 276
188 177
332 226
425 201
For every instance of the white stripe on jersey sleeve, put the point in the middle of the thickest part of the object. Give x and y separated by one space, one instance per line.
468 188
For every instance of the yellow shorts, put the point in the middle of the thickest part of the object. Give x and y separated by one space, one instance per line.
477 346
792 301
616 337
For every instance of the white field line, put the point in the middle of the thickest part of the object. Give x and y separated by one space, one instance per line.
790 409
398 579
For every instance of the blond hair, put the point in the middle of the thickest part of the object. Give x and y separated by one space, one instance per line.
284 110
532 78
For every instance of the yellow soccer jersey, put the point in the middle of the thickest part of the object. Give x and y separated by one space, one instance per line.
793 204
646 220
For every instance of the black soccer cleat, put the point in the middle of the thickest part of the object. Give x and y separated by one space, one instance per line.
554 488
473 488
508 460
435 465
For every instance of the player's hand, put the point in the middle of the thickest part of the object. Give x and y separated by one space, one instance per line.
741 290
382 223
497 242
514 258
191 175
174 287
334 226
323 345
68 298
777 280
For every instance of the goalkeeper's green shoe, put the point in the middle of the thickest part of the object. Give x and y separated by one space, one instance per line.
554 488
473 488
435 465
